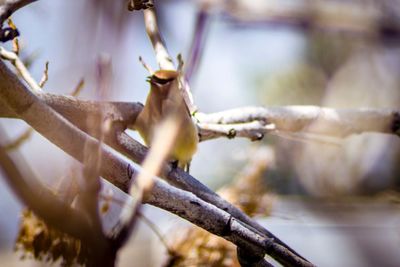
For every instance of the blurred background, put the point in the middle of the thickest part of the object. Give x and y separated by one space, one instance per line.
337 205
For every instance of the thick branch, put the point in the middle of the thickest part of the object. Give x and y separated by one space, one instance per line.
77 110
59 131
7 7
311 119
42 201
52 125
219 222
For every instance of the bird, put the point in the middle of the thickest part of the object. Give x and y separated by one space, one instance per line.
163 99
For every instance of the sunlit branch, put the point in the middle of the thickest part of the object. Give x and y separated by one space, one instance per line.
254 130
20 67
118 171
310 119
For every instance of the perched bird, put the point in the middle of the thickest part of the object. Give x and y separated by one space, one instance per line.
165 99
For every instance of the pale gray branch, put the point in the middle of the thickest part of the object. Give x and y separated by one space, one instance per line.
164 60
310 119
254 130
118 171
23 71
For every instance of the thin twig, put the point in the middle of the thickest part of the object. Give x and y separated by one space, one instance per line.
20 67
22 138
45 76
78 88
92 162
146 66
15 42
198 42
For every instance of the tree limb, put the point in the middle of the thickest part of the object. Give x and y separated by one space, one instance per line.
41 200
310 119
7 7
60 131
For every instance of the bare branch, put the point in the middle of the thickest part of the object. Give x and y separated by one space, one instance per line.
42 201
15 46
310 119
52 125
181 179
197 46
7 7
45 76
22 70
89 196
254 130
146 66
164 60
76 110
19 140
218 222
78 88
115 169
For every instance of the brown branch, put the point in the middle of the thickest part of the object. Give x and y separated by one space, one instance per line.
59 131
41 200
65 135
51 124
77 110
74 109
7 7
22 138
198 41
45 76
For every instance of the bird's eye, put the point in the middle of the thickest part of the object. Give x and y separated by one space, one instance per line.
155 79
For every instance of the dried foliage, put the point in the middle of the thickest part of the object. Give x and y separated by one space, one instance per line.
39 241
